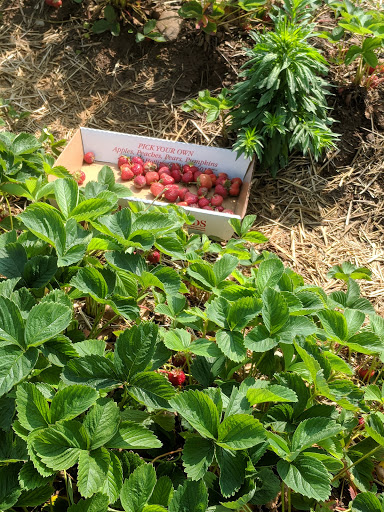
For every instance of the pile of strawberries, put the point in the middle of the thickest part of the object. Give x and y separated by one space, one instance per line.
170 182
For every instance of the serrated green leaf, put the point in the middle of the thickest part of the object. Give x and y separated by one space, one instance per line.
335 324
232 470
102 422
312 431
93 208
11 322
152 389
71 401
242 311
32 407
190 497
92 471
45 321
95 371
231 343
177 339
269 274
306 476
204 275
89 280
114 481
66 195
163 492
240 431
275 310
271 393
224 267
375 428
9 486
30 478
13 258
130 435
39 270
198 455
366 502
134 349
199 410
15 366
137 490
59 446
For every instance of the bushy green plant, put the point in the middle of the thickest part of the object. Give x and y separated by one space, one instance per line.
281 105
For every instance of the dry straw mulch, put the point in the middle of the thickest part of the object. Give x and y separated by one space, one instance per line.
315 215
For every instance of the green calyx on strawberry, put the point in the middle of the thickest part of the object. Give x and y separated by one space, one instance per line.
79 177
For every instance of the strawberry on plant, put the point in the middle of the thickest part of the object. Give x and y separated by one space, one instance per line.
176 377
154 257
79 177
152 177
365 374
139 181
89 157
54 3
123 160
179 359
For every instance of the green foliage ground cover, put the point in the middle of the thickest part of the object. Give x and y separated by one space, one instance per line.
278 403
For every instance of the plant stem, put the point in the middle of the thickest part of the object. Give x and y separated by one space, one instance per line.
10 213
123 398
96 321
289 499
282 497
340 473
106 325
165 454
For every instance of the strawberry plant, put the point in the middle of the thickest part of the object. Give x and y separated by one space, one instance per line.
147 369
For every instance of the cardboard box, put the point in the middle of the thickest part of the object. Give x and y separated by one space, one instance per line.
108 146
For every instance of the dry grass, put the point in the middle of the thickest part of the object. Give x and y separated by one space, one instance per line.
313 221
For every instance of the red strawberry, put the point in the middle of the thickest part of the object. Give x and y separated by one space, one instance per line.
228 211
126 172
365 374
193 168
213 179
171 194
138 160
163 164
164 170
54 3
361 421
122 160
79 177
154 257
150 166
157 189
182 192
196 174
186 168
234 190
208 171
191 198
221 191
239 181
222 175
203 202
223 181
204 180
216 200
187 177
176 377
182 203
194 205
139 181
176 175
137 169
175 167
202 192
167 180
208 207
220 208
89 157
151 177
